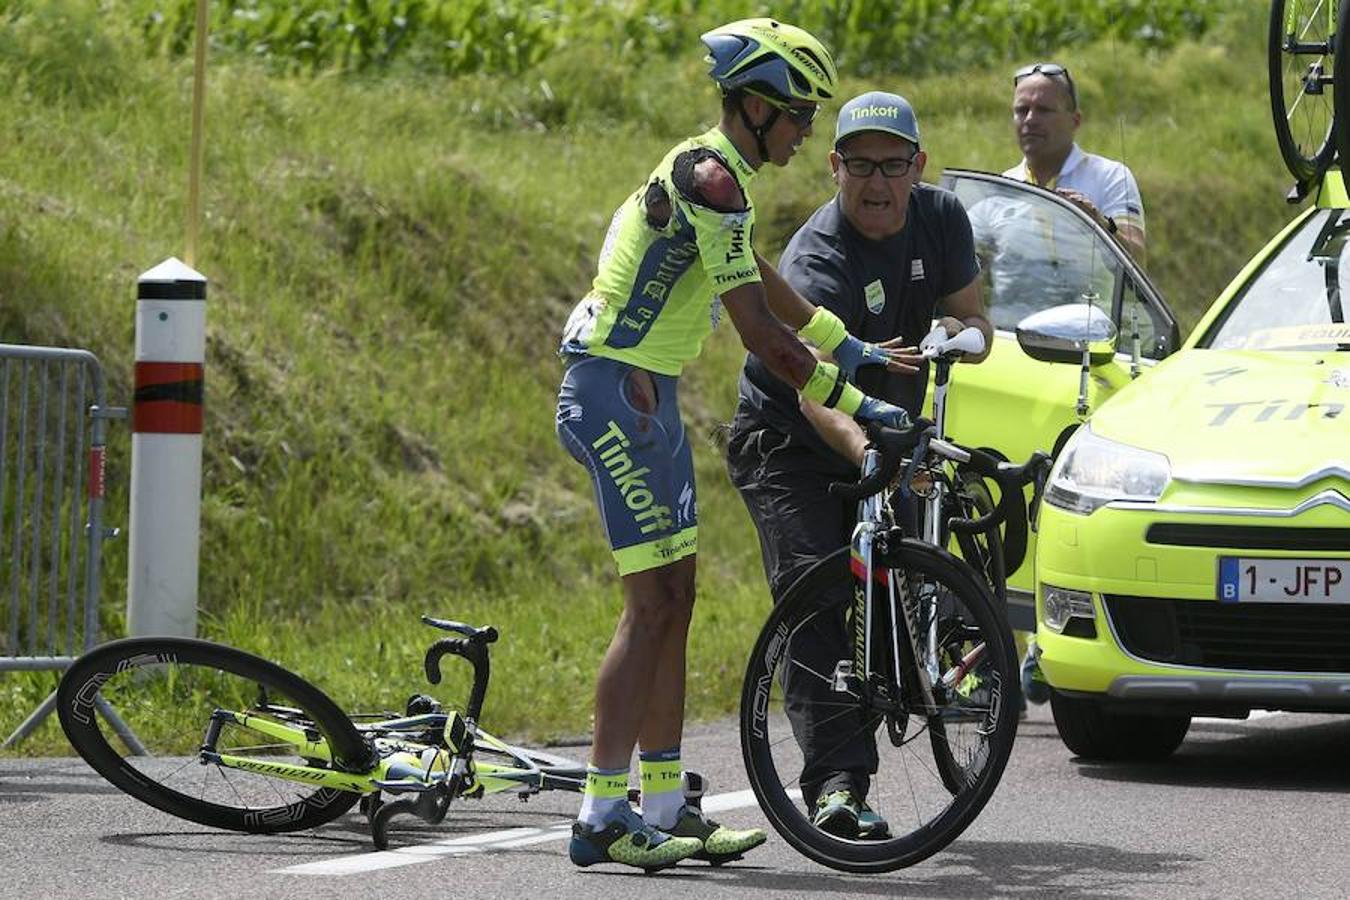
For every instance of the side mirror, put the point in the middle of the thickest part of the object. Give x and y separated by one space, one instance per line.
1061 333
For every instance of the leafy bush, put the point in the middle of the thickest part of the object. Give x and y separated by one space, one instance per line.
514 36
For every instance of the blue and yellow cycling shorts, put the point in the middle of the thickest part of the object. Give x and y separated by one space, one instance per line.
639 460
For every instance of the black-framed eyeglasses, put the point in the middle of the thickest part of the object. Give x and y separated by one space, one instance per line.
800 116
862 167
1051 70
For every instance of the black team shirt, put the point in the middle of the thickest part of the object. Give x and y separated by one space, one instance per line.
880 289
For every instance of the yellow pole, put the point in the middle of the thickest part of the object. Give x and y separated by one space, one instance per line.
198 137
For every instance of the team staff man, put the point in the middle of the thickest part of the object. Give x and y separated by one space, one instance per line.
678 243
886 255
1045 118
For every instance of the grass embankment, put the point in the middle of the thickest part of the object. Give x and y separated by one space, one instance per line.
391 258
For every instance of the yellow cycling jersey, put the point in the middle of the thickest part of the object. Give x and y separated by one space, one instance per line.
665 260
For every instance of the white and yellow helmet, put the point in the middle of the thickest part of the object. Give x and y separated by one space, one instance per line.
784 59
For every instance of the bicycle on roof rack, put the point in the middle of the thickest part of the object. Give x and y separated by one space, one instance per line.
1310 105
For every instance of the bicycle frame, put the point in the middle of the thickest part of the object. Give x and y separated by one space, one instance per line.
406 764
871 528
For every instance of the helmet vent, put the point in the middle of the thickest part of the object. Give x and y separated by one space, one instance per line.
816 63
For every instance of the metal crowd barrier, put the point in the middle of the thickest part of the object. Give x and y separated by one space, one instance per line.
53 425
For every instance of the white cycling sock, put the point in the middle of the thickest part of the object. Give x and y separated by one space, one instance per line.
662 787
606 795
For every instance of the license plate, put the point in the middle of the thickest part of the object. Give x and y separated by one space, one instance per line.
1248 580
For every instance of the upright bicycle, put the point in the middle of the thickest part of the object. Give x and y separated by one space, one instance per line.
914 665
223 738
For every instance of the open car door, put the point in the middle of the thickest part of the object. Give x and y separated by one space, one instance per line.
1038 251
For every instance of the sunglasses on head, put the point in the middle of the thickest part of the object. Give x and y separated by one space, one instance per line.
800 116
1050 70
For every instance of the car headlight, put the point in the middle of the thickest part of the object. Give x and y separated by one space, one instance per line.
1092 471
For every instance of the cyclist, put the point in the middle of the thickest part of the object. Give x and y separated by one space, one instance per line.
675 246
886 254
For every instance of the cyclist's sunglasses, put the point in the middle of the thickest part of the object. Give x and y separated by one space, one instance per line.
800 116
1051 70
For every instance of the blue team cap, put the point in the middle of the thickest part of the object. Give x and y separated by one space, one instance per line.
877 111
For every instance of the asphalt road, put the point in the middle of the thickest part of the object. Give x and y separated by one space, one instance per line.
1244 809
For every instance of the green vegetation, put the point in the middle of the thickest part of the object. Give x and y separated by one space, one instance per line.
391 256
456 37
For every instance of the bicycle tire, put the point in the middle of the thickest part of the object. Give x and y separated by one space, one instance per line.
1341 78
774 761
142 677
1304 118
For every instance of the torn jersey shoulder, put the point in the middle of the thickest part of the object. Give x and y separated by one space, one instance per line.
702 176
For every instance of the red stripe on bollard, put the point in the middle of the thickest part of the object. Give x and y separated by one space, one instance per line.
149 374
168 398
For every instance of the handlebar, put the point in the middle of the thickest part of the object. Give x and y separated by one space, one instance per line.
937 345
472 647
1011 479
894 445
487 634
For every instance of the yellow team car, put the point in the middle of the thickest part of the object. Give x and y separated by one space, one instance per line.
1192 554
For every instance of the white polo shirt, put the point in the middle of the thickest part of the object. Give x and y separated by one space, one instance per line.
1110 185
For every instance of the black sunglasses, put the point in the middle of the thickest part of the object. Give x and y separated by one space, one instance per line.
1050 70
800 116
862 167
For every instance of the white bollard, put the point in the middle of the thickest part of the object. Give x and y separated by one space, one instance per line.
166 451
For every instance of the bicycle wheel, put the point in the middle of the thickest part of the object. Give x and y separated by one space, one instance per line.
788 693
1301 50
166 690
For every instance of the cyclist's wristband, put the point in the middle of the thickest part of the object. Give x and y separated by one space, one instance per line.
828 387
824 329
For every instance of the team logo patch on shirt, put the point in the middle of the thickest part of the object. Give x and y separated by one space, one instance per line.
875 295
916 270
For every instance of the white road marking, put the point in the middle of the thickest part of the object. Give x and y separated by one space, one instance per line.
508 839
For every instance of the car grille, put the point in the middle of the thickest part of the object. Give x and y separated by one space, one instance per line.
1283 637
1250 537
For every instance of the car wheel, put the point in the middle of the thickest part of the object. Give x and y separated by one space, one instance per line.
1091 731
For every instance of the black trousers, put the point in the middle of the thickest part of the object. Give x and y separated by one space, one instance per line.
786 490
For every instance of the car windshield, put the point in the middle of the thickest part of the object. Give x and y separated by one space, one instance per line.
1296 301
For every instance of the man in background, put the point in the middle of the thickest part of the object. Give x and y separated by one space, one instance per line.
1045 118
